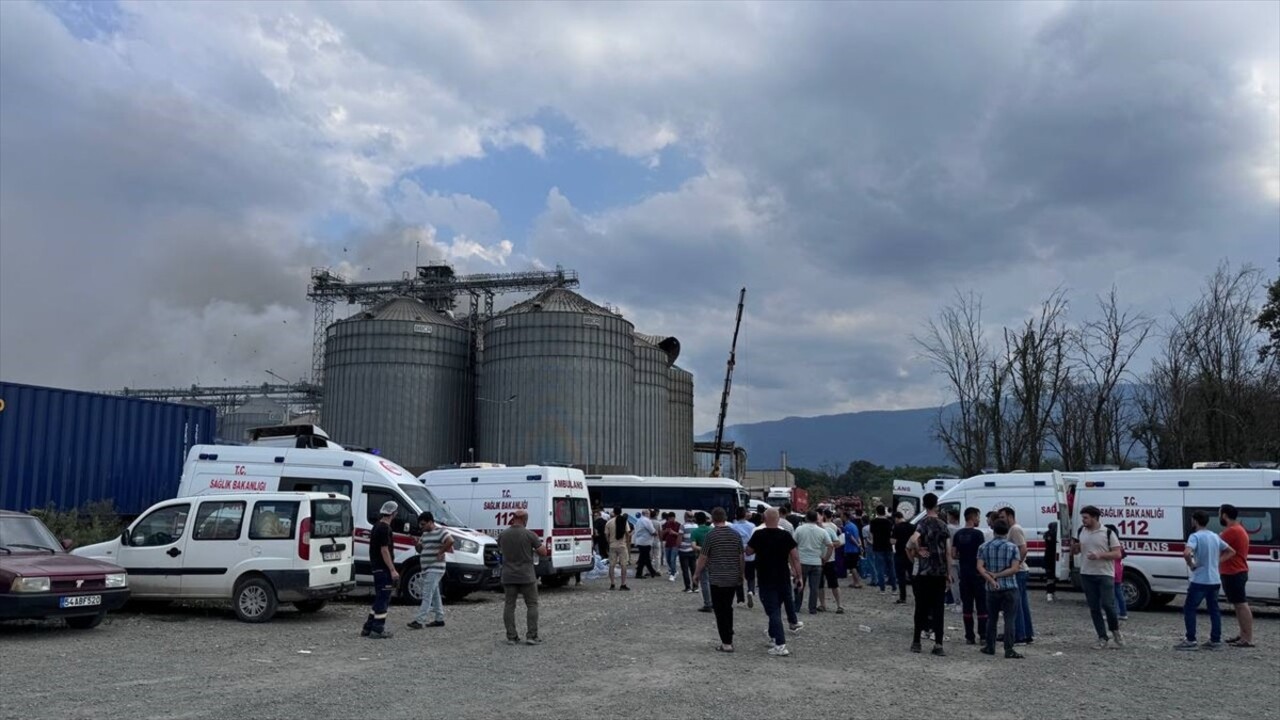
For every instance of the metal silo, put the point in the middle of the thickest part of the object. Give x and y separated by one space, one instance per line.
398 378
557 384
255 412
681 423
652 425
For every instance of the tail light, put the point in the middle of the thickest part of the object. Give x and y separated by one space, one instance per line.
304 539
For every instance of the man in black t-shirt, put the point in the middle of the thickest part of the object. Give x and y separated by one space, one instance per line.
902 532
973 592
882 550
382 561
777 562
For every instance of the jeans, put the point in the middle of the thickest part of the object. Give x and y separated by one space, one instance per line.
1100 594
883 564
904 575
749 573
529 591
645 562
1022 628
1122 605
722 603
704 583
672 557
1001 601
813 581
973 596
688 563
775 598
930 591
1209 594
431 604
377 620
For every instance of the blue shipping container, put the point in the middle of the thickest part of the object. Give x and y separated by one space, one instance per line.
70 448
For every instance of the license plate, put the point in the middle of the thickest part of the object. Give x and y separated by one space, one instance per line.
80 601
332 556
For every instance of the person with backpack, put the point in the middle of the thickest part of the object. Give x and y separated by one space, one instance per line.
1101 548
1122 605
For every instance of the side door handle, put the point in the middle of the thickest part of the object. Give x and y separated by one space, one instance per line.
173 552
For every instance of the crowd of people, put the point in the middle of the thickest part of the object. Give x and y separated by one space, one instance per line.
779 559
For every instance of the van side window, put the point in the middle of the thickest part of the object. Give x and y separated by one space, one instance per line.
562 512
374 499
162 527
219 521
295 484
1260 523
273 520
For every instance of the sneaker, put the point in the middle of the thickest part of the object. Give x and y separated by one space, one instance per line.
915 647
1048 598
1115 637
813 612
364 632
612 586
899 602
384 635
970 641
1101 644
988 651
533 640
624 587
751 600
436 623
1122 618
839 611
779 651
704 609
797 627
513 640
937 650
671 578
1212 645
415 625
1013 655
1187 645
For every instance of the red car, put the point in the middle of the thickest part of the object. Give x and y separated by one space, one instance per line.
39 579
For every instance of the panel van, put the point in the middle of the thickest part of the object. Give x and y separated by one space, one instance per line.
255 549
485 497
303 458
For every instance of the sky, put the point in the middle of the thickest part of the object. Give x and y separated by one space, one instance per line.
171 172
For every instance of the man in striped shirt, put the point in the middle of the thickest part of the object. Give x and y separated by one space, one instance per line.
721 559
433 544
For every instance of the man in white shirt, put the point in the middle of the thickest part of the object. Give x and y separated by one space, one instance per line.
642 535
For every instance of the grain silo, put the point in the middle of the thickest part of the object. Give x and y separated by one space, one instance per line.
398 378
681 424
652 425
255 412
557 384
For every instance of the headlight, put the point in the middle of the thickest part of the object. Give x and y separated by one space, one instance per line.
117 580
30 584
464 545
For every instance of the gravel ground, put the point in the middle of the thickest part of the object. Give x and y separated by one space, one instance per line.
613 654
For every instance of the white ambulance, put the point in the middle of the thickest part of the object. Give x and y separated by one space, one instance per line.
485 496
1152 512
303 458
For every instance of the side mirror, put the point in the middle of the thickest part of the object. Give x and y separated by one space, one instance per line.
124 537
67 544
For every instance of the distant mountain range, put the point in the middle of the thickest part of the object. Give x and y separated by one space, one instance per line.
884 437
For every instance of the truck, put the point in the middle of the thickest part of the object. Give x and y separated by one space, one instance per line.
68 448
798 497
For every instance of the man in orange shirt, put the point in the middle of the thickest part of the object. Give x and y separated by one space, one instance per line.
1235 574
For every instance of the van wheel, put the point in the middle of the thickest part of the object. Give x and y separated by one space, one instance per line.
1161 599
254 600
84 622
410 589
1137 593
310 606
555 581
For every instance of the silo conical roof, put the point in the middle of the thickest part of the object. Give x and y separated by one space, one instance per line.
559 300
405 309
666 343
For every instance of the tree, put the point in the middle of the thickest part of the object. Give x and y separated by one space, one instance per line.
1268 321
1036 372
954 343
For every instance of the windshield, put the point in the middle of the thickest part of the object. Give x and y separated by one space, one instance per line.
27 533
428 502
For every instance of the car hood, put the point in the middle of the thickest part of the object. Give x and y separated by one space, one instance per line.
60 565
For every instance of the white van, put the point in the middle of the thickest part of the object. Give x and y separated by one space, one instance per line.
255 549
633 493
301 457
1152 511
486 496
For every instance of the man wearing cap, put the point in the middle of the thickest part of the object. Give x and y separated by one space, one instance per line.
384 573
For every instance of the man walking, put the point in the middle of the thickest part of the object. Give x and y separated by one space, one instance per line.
744 528
720 564
1205 550
973 587
643 535
699 536
902 532
385 576
930 547
688 558
814 546
777 561
618 533
882 560
1101 548
671 544
1024 632
998 563
852 549
830 578
518 545
433 544
1235 574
